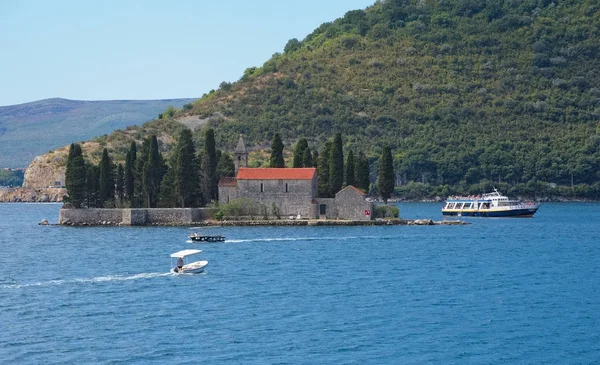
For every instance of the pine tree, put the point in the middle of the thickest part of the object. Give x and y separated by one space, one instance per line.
277 152
350 169
386 174
301 146
307 160
75 176
362 172
152 173
323 171
336 165
130 171
120 188
106 180
186 171
210 166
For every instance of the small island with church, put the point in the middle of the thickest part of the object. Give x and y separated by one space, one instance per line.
252 196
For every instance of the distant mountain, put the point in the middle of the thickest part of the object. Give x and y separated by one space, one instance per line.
31 129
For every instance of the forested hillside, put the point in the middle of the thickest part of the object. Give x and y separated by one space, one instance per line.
468 93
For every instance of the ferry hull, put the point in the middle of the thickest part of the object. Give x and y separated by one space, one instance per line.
518 213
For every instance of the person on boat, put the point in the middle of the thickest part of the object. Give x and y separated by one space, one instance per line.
179 264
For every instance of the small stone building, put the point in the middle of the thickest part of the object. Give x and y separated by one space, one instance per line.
294 191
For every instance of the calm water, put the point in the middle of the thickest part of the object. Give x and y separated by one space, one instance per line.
515 291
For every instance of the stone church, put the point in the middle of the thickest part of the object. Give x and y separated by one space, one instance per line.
294 191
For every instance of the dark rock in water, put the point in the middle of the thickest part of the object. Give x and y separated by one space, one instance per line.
44 222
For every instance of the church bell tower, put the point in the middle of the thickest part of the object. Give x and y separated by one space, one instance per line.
240 154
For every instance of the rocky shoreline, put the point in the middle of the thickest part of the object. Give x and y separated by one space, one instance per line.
32 195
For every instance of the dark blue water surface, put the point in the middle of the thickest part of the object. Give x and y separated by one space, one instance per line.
515 291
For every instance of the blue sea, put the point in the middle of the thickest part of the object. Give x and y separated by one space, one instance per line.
500 290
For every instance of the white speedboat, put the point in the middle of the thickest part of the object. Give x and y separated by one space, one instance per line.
188 266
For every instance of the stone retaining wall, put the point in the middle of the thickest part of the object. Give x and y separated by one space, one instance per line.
134 217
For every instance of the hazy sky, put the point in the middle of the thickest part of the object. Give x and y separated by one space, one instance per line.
135 49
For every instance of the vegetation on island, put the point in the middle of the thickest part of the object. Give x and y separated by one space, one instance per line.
468 95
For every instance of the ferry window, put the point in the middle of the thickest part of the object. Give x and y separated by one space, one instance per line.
262 188
286 187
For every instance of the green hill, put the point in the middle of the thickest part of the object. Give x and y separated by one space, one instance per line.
28 130
466 92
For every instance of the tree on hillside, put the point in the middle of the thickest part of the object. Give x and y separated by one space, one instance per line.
336 165
350 169
277 152
152 173
210 166
307 160
301 146
106 180
130 171
139 184
362 172
385 182
323 171
75 176
186 171
315 158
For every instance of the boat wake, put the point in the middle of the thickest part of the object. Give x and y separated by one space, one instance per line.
98 279
282 239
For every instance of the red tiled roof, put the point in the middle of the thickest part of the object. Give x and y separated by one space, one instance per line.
227 181
304 173
353 187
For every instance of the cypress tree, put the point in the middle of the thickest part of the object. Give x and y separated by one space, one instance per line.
210 168
139 183
167 196
323 171
362 172
225 167
386 174
350 169
106 180
75 176
130 171
315 159
92 186
152 173
277 152
186 171
120 188
307 160
301 146
336 165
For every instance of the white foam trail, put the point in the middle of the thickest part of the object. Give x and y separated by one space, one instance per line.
305 239
98 279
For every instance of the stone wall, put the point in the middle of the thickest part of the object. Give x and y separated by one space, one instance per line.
352 205
227 194
134 217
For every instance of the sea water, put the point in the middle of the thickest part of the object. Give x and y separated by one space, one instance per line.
500 290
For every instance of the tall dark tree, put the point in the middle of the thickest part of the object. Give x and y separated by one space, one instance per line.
336 165
130 171
277 152
92 186
75 176
323 171
106 180
225 167
210 166
350 169
362 172
139 185
301 146
120 188
186 171
307 160
152 173
386 174
315 158
167 196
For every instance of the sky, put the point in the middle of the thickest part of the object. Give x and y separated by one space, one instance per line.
136 49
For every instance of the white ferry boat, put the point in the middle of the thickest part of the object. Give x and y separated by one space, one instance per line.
488 205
